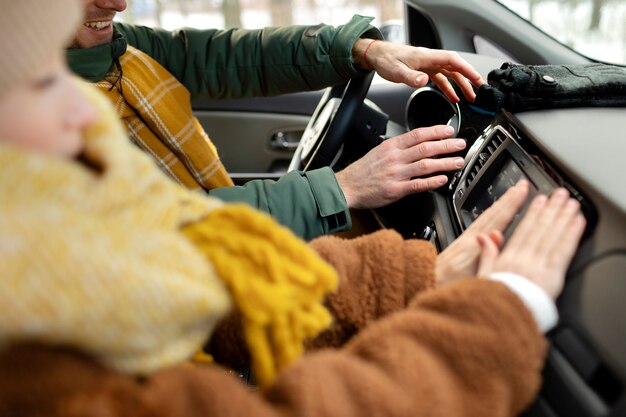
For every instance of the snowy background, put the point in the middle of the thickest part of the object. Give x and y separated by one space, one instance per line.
566 20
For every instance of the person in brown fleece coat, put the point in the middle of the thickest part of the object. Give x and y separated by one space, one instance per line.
467 348
414 333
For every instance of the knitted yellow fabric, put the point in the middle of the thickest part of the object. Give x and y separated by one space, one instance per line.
276 280
156 110
94 258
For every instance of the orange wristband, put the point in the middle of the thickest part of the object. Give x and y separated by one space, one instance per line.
365 53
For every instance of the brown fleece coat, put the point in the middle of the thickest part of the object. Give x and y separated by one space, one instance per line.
379 273
437 353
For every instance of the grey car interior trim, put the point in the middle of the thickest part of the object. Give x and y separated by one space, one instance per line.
581 146
384 93
458 21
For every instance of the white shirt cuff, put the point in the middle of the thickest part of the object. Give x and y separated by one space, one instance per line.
533 296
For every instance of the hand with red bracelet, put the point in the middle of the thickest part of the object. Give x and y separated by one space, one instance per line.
414 66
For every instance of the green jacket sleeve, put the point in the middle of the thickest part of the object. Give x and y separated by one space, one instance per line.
238 63
310 203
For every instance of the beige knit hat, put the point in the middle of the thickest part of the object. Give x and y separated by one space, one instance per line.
31 32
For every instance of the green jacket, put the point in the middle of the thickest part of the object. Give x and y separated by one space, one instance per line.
238 63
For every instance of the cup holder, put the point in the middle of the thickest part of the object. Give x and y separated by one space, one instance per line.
428 106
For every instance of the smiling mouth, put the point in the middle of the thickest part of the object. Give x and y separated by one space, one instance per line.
98 25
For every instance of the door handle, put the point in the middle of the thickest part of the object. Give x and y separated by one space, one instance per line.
286 140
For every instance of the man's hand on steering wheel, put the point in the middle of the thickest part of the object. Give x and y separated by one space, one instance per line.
401 166
414 66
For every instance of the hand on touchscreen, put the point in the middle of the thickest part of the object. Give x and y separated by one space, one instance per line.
542 245
460 259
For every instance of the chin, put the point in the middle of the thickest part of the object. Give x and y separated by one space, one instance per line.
87 40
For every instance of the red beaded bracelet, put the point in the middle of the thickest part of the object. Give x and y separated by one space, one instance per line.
365 53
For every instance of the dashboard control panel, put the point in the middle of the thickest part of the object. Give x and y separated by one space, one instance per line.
497 160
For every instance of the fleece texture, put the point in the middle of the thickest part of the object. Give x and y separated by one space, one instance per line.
444 355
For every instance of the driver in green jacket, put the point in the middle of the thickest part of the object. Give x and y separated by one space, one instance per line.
150 74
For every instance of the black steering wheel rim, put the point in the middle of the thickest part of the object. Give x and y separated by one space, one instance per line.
331 121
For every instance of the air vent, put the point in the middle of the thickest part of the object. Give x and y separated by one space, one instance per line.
489 148
498 138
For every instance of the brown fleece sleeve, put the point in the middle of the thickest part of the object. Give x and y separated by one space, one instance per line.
227 344
378 274
446 355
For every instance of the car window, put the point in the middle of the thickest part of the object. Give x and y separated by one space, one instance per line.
594 28
251 14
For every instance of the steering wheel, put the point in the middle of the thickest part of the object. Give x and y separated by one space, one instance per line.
332 119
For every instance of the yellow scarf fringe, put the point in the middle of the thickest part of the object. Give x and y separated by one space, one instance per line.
275 279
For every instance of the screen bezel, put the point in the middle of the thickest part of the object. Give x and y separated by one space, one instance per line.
485 172
482 188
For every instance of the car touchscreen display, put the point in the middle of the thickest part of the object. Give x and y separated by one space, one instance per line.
485 195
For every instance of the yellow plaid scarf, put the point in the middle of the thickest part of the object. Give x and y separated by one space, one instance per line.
156 110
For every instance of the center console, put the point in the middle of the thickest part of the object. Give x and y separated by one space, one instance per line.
500 157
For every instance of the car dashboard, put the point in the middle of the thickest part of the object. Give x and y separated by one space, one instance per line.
581 149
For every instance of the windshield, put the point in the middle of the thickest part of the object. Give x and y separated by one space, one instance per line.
594 28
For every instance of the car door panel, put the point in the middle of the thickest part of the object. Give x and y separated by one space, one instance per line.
253 141
248 133
245 131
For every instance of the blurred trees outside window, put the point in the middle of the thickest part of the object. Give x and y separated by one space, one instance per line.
171 14
595 28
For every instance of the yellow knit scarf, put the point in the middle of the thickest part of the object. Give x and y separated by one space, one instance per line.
277 281
95 259
156 110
